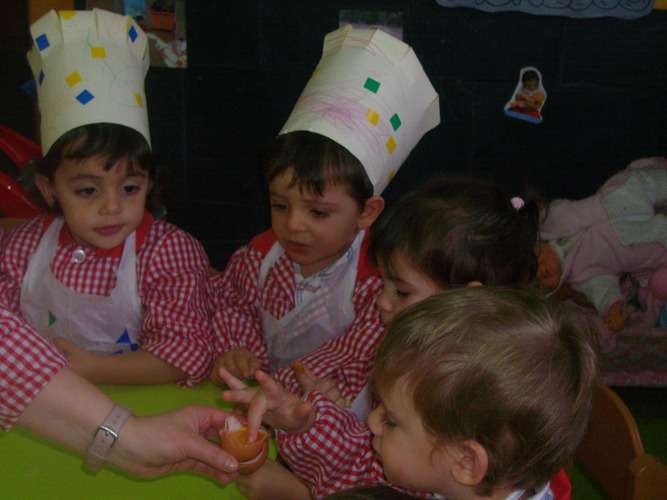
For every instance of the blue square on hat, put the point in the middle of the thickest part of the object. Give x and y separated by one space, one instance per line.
85 97
133 34
42 41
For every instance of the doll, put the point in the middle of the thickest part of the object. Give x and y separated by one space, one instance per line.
589 246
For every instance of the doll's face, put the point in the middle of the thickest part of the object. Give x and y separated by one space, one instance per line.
548 267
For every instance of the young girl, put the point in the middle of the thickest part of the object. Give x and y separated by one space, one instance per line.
97 274
484 393
452 231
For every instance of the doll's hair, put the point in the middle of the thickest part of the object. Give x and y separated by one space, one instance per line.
110 141
456 230
500 366
318 161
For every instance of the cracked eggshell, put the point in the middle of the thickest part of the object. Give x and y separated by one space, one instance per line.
233 439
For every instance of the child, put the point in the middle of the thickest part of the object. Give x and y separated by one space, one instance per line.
98 275
589 245
304 289
447 231
452 231
484 393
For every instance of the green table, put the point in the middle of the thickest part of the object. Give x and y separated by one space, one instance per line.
33 468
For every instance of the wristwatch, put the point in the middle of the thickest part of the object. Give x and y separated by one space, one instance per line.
105 437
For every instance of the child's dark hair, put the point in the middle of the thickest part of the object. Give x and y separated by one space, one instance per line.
503 367
456 230
318 161
108 140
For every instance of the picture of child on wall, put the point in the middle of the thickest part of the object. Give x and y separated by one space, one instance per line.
528 98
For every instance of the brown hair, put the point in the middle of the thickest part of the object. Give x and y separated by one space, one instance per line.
110 141
503 367
456 230
318 161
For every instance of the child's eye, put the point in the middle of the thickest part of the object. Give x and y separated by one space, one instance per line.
87 191
319 213
278 206
131 189
386 421
401 293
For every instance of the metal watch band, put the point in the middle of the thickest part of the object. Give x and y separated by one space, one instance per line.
105 437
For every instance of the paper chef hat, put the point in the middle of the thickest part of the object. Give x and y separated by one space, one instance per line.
89 67
369 93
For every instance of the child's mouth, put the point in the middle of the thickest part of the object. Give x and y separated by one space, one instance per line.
108 230
296 247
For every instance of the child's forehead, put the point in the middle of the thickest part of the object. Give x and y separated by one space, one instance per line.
99 164
289 183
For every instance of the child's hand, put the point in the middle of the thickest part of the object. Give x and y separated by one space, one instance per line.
239 362
80 360
310 382
269 402
614 319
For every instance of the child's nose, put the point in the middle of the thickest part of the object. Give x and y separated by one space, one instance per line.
111 203
295 221
383 302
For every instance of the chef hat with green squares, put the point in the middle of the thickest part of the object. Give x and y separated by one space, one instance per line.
370 94
89 67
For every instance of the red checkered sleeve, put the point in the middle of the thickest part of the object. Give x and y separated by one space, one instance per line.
335 454
233 294
347 359
18 246
173 273
172 269
27 363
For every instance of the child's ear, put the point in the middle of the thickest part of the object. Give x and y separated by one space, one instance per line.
372 208
471 463
46 188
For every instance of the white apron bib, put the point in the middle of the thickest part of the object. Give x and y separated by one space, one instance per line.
326 315
102 325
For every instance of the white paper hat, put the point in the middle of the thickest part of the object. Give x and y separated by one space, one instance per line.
369 93
89 67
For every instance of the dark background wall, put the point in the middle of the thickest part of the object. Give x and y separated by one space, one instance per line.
248 61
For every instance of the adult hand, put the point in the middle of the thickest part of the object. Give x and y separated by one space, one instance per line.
174 441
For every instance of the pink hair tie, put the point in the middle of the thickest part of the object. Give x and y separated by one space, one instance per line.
517 203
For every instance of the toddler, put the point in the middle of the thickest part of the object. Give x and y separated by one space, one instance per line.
484 393
587 246
97 274
452 231
304 289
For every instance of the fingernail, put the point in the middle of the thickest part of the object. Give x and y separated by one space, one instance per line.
298 367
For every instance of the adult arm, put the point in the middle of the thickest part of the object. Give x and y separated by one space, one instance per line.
69 409
42 395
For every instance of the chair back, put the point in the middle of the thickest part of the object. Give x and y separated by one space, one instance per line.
613 453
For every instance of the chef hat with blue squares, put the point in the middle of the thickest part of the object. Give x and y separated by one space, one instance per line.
370 94
89 67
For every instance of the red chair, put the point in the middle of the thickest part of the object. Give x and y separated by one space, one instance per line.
15 201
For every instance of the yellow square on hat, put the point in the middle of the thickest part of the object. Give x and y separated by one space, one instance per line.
89 67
